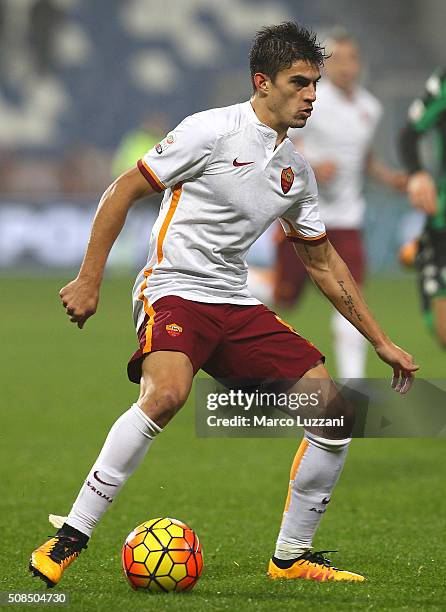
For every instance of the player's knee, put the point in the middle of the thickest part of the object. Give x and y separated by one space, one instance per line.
163 402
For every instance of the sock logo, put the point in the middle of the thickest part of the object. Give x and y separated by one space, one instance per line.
95 490
107 483
325 501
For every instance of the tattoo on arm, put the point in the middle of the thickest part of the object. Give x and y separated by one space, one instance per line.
348 301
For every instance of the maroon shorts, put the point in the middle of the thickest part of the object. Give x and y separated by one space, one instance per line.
248 345
291 275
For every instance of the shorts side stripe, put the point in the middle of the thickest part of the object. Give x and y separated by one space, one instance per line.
287 325
149 310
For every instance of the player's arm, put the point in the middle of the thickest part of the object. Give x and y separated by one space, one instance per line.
421 189
331 275
424 114
380 172
80 297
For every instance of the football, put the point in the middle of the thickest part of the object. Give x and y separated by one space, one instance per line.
162 554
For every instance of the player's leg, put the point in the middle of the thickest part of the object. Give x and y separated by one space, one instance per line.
438 301
260 346
174 341
124 449
261 283
349 345
431 266
350 348
129 439
290 275
315 471
439 319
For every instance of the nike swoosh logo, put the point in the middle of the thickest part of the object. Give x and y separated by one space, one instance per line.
102 482
236 163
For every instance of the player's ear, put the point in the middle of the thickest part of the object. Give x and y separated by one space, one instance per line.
261 82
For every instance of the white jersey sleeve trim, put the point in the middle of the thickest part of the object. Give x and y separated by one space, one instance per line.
184 153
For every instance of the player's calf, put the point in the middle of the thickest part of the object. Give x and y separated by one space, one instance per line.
315 471
334 418
331 416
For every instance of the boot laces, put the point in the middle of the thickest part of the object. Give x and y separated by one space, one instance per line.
318 558
64 548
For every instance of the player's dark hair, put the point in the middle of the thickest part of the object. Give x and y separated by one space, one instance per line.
276 47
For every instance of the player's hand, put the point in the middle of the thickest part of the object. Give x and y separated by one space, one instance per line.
422 192
399 181
325 171
80 299
402 364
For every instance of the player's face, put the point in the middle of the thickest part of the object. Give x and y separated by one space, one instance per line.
343 67
293 93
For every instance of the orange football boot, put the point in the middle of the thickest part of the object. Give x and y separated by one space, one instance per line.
50 560
313 566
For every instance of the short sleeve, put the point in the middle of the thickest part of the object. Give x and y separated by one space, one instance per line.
302 222
182 155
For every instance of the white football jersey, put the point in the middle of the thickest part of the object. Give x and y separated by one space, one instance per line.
224 183
340 129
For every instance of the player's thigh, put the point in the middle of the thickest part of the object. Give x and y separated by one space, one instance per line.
439 315
331 405
260 349
166 381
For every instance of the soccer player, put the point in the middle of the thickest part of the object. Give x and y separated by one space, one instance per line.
337 143
227 174
428 115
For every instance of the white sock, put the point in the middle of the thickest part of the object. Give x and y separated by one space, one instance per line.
316 468
350 348
123 450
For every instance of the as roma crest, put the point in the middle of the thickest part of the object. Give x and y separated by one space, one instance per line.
173 329
287 179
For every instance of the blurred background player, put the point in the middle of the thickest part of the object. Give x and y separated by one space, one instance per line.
137 141
427 192
337 143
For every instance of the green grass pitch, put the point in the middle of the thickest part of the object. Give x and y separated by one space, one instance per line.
62 389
